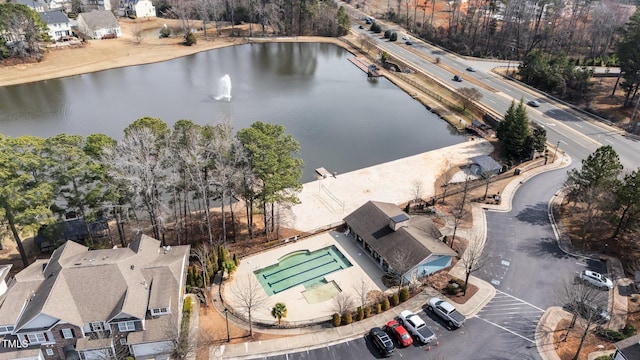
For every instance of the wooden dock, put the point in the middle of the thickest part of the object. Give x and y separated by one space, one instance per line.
370 69
323 172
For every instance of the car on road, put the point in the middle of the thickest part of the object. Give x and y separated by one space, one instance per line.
596 279
399 333
404 38
417 327
360 27
382 341
533 103
409 42
457 78
447 312
471 69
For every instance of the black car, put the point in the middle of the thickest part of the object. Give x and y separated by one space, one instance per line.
408 42
382 341
457 78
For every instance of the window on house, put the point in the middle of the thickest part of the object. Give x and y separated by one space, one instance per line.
127 326
50 352
96 326
37 338
6 329
123 341
160 311
67 333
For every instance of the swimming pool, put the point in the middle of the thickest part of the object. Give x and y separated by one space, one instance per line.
301 267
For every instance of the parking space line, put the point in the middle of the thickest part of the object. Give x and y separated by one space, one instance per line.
507 330
511 296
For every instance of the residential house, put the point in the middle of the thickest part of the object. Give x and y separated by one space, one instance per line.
391 237
33 4
627 349
95 304
93 5
139 8
99 24
58 23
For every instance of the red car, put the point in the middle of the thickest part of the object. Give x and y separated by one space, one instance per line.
400 333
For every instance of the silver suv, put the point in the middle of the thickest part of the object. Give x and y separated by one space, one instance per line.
596 279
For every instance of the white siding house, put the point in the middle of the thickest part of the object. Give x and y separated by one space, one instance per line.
99 25
139 8
58 23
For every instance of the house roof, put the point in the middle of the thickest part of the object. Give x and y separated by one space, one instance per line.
54 17
417 240
630 347
486 163
79 285
99 19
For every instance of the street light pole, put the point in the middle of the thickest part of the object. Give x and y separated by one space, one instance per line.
556 151
226 317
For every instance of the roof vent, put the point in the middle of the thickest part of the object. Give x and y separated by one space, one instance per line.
132 267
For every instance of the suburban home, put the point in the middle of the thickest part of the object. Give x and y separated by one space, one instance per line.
99 24
139 8
93 5
33 4
58 23
627 349
96 304
392 238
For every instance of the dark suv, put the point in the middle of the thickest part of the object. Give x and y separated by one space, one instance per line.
382 341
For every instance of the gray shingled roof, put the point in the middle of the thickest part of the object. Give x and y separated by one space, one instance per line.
100 19
630 347
486 163
80 286
418 240
54 17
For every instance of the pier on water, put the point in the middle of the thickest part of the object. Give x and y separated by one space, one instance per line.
371 69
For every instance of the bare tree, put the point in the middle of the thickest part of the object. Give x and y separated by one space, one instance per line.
249 296
400 263
459 210
342 303
583 301
202 253
416 190
468 96
362 289
474 258
488 177
447 178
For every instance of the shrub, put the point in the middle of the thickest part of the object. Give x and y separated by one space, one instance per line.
395 300
387 34
165 32
394 36
629 330
376 28
190 39
385 304
348 318
378 308
603 357
187 305
367 311
336 320
611 335
404 294
359 313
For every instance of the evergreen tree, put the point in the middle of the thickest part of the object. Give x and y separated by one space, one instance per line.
514 130
628 52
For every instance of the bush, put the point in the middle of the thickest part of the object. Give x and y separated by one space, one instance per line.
395 300
603 357
367 311
336 320
611 335
165 32
187 305
387 34
378 308
190 39
360 313
376 28
348 318
452 288
394 36
385 304
629 330
404 294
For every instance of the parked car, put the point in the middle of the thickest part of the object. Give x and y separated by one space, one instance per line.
471 69
596 279
447 312
457 78
589 310
417 327
382 341
533 103
400 333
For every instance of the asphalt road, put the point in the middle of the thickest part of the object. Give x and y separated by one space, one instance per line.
526 265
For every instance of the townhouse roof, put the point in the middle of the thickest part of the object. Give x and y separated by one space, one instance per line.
99 19
54 17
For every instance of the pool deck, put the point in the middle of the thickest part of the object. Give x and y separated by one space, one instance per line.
298 309
331 199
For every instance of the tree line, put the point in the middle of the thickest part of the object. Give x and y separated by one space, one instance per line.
170 176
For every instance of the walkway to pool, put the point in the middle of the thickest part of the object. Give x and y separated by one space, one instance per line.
299 308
